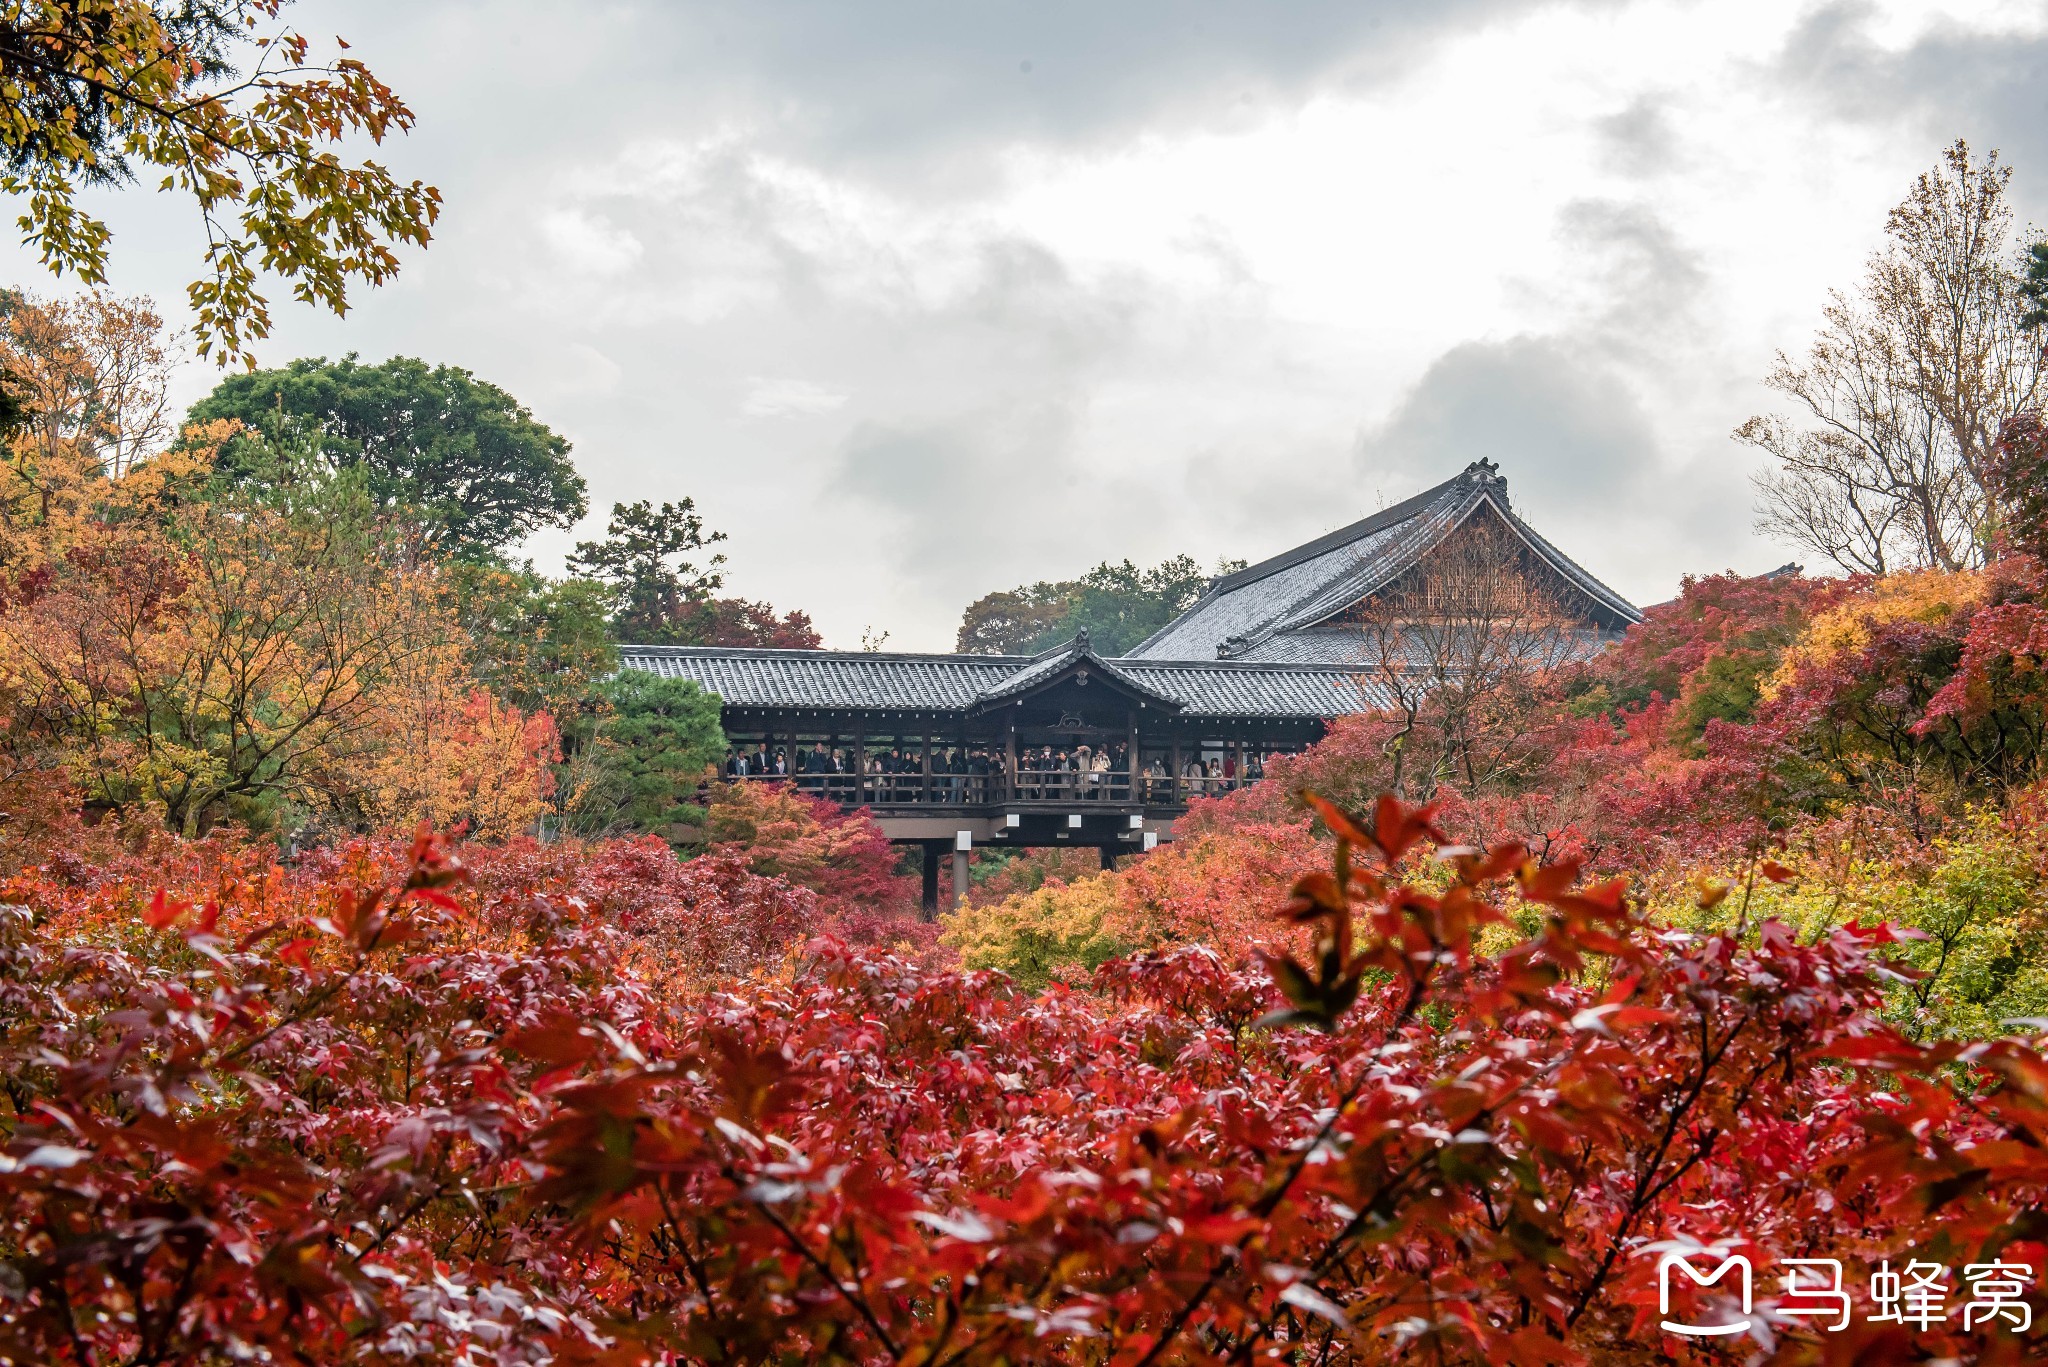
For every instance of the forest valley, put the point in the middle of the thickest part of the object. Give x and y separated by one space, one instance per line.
382 980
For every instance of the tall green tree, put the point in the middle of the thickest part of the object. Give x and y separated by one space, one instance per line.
469 461
2035 288
205 98
662 735
641 558
1118 604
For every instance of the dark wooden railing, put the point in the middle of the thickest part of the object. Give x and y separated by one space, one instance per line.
1055 788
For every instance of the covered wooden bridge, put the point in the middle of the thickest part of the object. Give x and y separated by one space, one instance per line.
1070 748
1063 748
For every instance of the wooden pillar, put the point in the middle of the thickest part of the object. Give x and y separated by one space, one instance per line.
959 878
1173 763
1240 761
1009 760
1108 856
928 901
860 761
927 762
1131 754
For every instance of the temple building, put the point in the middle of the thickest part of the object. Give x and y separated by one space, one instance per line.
1070 747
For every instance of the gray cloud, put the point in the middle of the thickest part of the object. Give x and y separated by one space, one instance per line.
913 78
1639 140
1550 414
1645 282
1988 86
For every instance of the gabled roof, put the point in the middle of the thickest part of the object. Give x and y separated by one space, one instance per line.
1074 659
1243 615
831 679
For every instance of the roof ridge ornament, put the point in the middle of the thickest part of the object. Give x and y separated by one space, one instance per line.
1484 475
1081 639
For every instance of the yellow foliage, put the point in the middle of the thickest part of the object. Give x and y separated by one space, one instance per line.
1915 596
447 752
1054 931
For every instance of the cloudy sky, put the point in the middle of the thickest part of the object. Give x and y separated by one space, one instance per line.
919 300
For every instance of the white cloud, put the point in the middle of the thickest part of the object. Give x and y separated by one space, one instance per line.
782 397
587 242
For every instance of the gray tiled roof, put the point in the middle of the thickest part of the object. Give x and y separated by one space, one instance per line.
1346 646
828 678
857 679
1244 615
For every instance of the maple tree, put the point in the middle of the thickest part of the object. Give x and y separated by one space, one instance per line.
380 1103
211 668
243 122
93 372
782 831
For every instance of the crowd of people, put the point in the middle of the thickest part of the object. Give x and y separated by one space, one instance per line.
976 774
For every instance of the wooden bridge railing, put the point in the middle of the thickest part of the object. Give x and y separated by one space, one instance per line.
1056 787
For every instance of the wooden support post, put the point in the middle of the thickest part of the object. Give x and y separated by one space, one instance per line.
960 852
860 762
1010 761
1240 763
928 902
927 763
1173 779
1108 856
1131 754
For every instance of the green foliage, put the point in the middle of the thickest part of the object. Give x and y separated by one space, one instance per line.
538 643
458 453
1981 910
664 734
640 559
2035 288
1968 917
108 92
1118 605
1726 688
